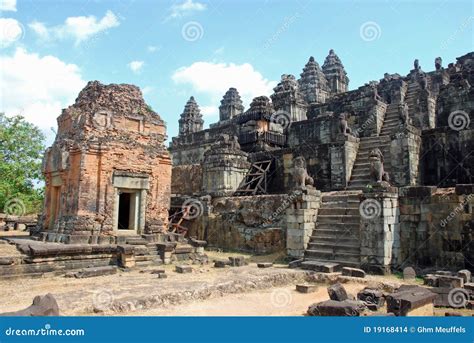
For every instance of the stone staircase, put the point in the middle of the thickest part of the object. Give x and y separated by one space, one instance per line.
360 176
392 120
336 235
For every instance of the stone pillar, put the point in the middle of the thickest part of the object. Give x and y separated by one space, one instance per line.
343 155
301 218
380 229
404 154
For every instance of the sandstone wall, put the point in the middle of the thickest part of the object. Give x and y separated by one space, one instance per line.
436 227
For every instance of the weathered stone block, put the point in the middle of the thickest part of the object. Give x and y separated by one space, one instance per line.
402 302
97 271
337 292
431 280
354 272
450 281
306 288
221 264
183 269
347 308
372 296
265 265
409 273
237 261
465 275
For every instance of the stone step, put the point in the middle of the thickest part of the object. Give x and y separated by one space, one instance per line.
338 219
341 263
343 239
330 255
338 211
336 235
334 247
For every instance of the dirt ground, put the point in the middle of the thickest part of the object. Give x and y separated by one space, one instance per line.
278 301
207 291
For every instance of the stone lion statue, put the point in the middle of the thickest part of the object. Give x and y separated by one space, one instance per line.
343 125
300 174
377 172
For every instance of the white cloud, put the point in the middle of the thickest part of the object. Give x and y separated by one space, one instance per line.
78 28
147 90
136 66
8 5
37 87
209 111
185 8
152 48
215 79
11 30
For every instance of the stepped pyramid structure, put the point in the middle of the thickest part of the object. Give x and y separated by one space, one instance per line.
363 177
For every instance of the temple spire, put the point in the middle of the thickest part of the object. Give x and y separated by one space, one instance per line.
191 118
335 73
313 83
231 105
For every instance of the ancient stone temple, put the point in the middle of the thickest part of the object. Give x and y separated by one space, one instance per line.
191 118
335 73
363 177
108 172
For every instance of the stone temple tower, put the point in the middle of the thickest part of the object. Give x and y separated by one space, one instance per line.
313 83
288 99
335 73
231 105
191 118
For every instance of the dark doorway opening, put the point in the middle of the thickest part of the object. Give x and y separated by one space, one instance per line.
124 212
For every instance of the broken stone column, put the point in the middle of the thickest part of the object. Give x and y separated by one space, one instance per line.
343 156
380 237
300 218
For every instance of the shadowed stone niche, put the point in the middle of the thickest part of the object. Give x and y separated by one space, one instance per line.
108 171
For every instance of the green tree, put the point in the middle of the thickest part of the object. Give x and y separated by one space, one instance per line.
21 150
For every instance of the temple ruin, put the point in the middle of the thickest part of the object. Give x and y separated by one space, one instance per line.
366 177
108 172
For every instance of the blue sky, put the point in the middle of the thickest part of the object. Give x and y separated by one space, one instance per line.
175 49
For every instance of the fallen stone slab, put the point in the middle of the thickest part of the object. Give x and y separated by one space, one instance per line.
184 269
237 261
465 275
373 298
157 271
346 308
306 288
93 272
337 292
6 261
265 265
323 267
354 272
221 264
404 302
443 272
452 314
42 306
450 281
